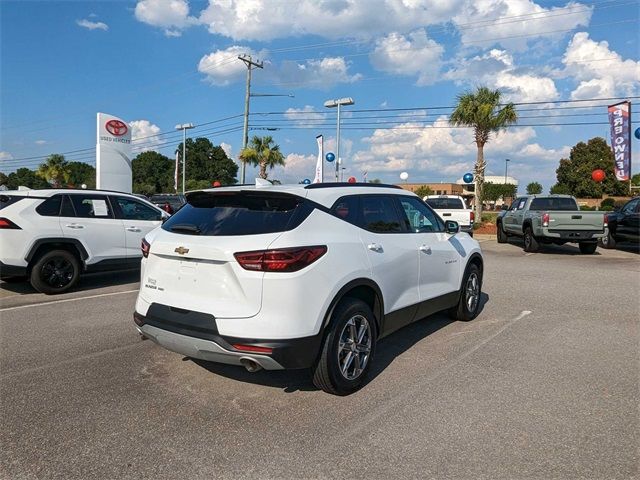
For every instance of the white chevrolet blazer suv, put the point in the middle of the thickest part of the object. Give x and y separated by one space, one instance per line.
52 236
295 276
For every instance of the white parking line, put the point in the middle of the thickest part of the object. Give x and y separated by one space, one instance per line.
66 300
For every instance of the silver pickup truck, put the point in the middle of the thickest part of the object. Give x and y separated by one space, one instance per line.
546 219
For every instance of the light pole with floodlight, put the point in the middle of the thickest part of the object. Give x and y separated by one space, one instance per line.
506 166
337 103
184 127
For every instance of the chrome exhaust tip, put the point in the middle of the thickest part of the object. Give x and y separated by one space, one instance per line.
250 364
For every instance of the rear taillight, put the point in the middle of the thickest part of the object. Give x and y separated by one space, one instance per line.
280 260
545 219
472 217
606 219
145 247
5 223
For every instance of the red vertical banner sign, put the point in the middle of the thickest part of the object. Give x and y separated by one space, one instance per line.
620 122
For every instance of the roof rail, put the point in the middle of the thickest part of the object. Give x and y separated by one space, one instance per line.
314 186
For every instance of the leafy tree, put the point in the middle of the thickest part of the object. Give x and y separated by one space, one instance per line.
81 173
534 188
493 191
263 153
574 173
152 173
55 170
423 191
3 179
635 180
483 111
198 184
559 189
375 180
25 177
208 162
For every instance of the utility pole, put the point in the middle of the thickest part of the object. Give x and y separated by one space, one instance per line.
184 127
245 137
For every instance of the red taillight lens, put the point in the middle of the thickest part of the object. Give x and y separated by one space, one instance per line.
280 260
145 247
545 219
472 217
252 348
606 219
5 223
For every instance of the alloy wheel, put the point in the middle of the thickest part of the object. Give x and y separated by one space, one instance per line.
472 292
354 347
57 272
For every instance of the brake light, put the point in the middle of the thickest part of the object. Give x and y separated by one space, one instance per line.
280 260
145 247
472 216
606 219
5 223
252 348
545 219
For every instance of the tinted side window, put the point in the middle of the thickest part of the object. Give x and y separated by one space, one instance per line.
50 207
133 210
66 210
419 217
379 214
91 206
6 200
347 208
631 207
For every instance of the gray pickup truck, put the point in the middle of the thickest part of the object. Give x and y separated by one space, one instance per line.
546 219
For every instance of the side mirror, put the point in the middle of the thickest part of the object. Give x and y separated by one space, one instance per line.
451 227
504 207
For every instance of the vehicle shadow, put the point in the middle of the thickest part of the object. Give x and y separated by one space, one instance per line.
89 281
566 249
387 351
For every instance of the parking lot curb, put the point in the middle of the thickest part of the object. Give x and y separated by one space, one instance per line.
484 236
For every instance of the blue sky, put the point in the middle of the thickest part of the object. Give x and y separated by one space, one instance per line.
158 63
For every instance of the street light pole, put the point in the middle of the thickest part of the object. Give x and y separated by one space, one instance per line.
506 165
337 103
184 127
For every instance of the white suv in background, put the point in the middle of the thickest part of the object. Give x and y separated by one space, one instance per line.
51 236
298 276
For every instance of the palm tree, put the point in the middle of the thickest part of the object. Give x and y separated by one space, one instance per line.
55 170
262 152
481 110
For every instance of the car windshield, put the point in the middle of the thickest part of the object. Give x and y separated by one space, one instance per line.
445 203
235 213
554 204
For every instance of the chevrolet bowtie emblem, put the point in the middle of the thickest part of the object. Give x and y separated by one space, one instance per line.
181 250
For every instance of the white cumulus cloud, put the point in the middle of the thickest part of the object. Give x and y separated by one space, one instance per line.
414 54
89 25
599 71
170 15
522 21
144 135
5 156
223 67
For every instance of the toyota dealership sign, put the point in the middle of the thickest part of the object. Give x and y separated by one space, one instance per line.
113 158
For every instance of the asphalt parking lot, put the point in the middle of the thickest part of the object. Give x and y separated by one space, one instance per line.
543 384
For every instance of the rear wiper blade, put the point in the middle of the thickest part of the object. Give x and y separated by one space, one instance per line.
186 227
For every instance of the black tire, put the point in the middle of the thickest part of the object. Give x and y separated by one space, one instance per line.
468 307
530 243
337 349
501 235
609 241
55 272
588 248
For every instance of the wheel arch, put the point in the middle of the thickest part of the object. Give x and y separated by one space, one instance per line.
42 245
363 289
527 223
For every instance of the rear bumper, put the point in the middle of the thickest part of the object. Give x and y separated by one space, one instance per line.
12 270
195 335
573 235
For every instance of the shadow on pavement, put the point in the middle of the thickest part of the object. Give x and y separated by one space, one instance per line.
300 380
88 281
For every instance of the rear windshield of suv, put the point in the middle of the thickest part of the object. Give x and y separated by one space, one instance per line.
6 200
554 204
445 203
238 213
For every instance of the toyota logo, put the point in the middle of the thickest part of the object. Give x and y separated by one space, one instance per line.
116 127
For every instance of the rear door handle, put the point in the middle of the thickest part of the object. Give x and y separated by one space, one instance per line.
74 225
374 247
133 229
425 248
